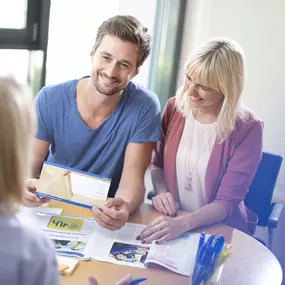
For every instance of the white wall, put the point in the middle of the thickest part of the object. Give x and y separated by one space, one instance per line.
71 37
259 27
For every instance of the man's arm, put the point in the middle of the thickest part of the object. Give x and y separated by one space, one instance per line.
130 193
40 152
131 187
131 190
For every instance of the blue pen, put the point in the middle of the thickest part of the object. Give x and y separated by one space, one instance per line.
138 280
205 247
201 243
198 271
217 249
201 267
212 254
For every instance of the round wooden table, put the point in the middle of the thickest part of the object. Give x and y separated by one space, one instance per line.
251 262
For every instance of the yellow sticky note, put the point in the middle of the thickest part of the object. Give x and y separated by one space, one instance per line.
62 267
66 224
66 265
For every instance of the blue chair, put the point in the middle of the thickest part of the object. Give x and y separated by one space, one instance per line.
259 196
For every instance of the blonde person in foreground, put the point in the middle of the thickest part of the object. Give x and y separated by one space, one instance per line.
210 148
26 257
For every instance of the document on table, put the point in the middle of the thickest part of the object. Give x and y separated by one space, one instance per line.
85 239
121 247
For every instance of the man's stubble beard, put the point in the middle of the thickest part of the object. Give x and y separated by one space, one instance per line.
102 90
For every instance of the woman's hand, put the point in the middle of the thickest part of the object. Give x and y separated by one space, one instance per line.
30 197
165 203
163 229
124 281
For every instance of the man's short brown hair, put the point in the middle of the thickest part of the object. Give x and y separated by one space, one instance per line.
127 28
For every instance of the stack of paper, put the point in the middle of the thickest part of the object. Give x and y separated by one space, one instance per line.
66 265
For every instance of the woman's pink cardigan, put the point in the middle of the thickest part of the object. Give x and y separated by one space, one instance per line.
231 167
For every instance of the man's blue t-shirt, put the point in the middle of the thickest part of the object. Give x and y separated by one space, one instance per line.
136 119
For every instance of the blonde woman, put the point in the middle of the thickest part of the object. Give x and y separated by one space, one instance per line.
25 256
210 148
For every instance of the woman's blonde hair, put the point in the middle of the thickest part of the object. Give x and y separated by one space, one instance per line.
16 128
218 64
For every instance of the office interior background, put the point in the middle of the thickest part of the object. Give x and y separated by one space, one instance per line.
45 42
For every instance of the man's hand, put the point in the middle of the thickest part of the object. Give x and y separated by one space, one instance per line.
113 215
30 198
165 204
124 281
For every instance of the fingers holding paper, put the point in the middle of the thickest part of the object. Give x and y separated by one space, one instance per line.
30 198
162 229
113 215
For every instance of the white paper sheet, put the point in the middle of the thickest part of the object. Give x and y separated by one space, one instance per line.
45 210
91 187
177 255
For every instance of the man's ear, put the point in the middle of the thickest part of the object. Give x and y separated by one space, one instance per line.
137 71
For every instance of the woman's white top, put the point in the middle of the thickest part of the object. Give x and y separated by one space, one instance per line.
192 160
26 257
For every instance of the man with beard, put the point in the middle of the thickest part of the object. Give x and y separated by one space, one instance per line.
103 123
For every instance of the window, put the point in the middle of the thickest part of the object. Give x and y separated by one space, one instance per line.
14 63
11 17
23 40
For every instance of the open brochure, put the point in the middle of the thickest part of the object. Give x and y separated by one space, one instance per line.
85 239
72 186
121 247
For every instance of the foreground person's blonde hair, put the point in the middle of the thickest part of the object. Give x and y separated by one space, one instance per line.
16 128
218 64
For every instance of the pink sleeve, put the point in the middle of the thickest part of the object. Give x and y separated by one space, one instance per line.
157 160
241 168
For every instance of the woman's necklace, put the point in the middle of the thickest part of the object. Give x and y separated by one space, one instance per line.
188 185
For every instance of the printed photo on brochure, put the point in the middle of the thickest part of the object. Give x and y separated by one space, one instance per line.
72 186
69 245
129 252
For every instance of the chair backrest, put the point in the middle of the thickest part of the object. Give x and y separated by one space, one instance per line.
262 187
